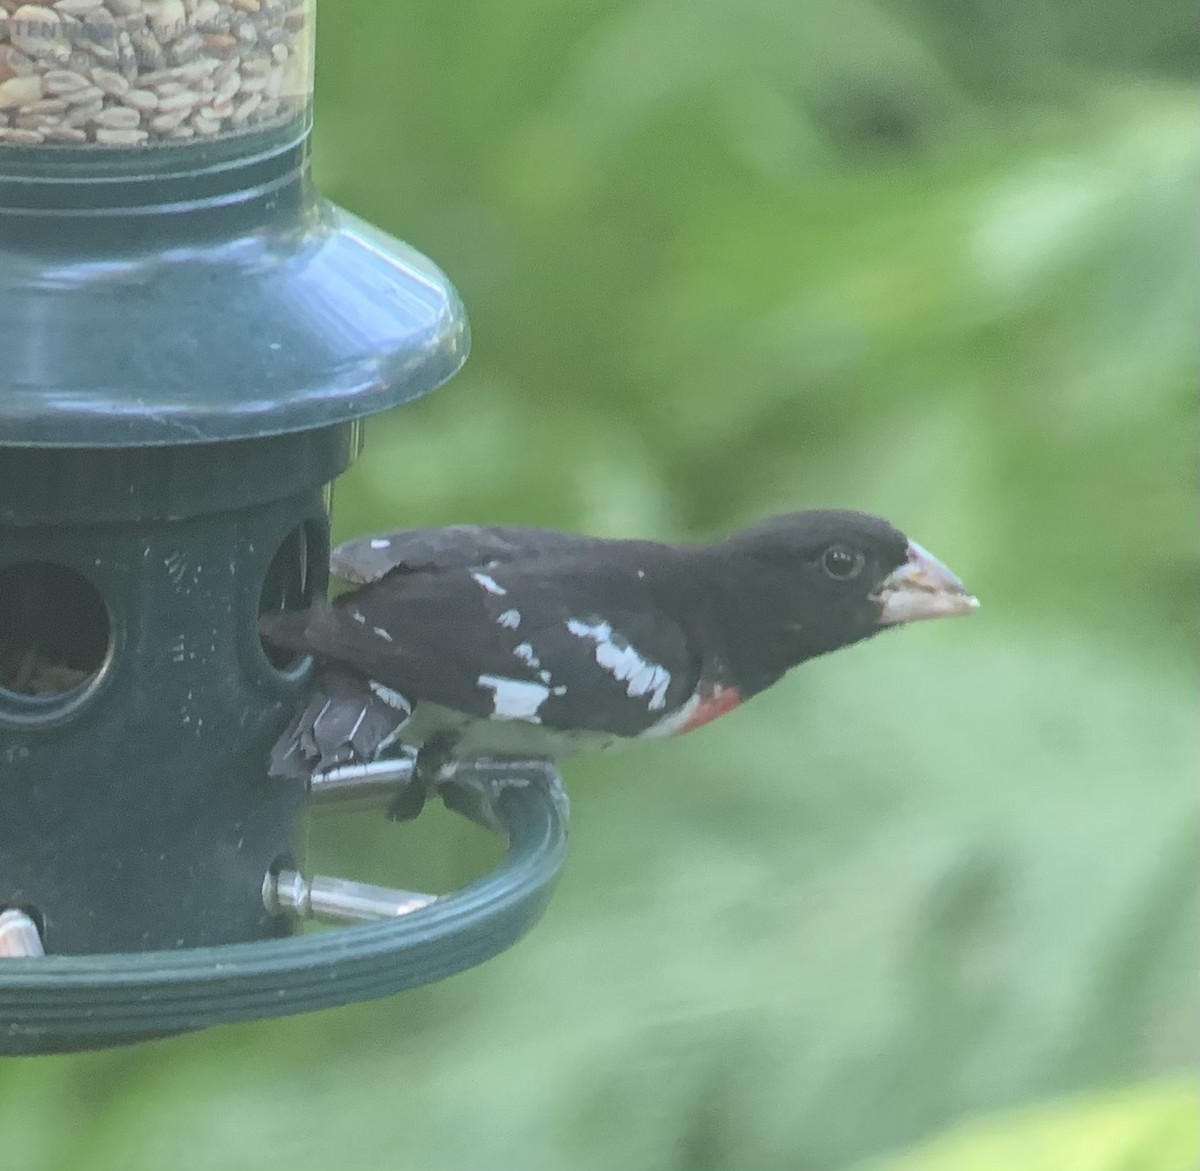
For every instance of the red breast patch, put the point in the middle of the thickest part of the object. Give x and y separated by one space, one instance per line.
715 701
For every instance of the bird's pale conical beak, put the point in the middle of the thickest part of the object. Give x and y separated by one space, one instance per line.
922 588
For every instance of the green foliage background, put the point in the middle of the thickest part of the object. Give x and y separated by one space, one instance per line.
931 258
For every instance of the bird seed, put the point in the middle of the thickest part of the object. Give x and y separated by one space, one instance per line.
121 73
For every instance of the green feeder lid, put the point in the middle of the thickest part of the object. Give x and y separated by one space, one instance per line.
204 296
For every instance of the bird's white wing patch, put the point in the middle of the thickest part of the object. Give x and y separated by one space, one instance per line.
524 652
489 584
515 699
391 697
622 661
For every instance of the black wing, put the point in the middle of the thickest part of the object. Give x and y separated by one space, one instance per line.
367 559
570 642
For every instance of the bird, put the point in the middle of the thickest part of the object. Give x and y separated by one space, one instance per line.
507 642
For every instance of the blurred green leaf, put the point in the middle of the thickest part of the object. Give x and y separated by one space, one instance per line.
1151 1128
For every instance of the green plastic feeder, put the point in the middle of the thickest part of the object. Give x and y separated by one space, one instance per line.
189 337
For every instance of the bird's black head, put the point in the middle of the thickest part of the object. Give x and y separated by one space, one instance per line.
807 583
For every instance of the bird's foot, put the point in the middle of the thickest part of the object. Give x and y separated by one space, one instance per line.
402 783
474 786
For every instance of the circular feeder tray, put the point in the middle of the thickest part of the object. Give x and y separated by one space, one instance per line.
399 939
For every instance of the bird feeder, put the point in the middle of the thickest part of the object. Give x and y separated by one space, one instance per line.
189 338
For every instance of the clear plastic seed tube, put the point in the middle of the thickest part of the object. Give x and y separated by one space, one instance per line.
148 73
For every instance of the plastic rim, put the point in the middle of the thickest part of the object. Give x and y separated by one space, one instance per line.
48 1002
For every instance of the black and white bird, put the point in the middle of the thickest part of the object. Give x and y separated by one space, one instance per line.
524 643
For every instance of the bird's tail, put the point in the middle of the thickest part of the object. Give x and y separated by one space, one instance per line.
343 721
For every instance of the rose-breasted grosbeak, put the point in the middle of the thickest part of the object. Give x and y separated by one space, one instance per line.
517 642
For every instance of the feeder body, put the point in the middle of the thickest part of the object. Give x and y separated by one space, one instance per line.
134 809
189 338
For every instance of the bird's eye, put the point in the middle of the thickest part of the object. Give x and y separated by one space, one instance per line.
841 563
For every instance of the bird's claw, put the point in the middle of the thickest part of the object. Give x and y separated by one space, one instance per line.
474 787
